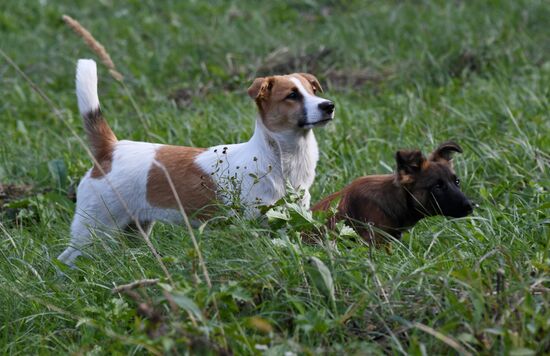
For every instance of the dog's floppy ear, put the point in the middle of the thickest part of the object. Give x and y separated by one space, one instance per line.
409 163
260 88
313 81
254 89
445 152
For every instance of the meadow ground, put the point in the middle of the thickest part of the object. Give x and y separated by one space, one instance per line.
402 74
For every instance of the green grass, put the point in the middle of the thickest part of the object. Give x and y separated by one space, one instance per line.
403 74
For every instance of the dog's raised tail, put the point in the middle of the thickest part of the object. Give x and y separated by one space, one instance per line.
100 135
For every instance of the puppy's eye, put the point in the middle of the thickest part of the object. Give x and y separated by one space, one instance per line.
292 96
314 90
438 186
457 181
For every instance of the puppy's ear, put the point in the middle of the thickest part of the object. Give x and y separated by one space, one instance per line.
313 81
261 88
254 89
409 163
444 153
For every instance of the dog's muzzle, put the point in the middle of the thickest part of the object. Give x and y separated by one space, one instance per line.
327 107
324 115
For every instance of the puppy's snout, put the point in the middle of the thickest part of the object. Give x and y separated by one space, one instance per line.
327 107
468 207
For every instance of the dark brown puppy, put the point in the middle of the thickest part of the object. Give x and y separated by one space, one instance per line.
395 202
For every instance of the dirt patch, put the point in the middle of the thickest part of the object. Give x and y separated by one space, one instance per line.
182 96
11 192
283 61
466 62
20 202
280 61
356 78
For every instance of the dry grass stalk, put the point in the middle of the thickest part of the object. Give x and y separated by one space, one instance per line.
194 240
136 284
94 45
453 343
104 56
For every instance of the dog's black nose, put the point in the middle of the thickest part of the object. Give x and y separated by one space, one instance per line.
468 207
327 106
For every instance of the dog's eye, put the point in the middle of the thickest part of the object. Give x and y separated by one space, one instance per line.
438 186
457 181
293 96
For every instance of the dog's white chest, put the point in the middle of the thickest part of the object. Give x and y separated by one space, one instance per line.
255 173
299 163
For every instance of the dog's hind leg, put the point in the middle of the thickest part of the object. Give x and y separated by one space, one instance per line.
81 234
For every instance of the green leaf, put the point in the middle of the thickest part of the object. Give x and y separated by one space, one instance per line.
241 294
522 351
21 128
321 277
188 305
276 214
18 204
346 231
58 170
166 287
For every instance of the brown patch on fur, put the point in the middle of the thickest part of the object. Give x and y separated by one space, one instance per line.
102 142
409 163
425 165
311 83
404 178
275 111
195 189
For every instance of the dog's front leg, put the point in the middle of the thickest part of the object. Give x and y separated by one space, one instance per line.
306 199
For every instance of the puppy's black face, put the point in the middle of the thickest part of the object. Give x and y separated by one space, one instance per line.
432 183
445 196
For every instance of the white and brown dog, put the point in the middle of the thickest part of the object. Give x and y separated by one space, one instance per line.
135 181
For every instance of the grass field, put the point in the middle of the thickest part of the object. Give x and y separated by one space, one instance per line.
402 74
